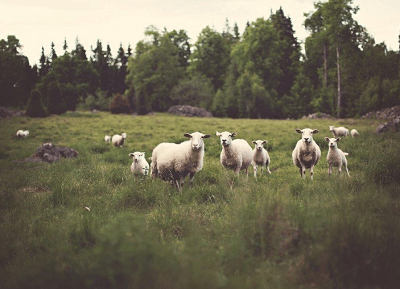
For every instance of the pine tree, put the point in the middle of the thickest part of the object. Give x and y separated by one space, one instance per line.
53 53
36 107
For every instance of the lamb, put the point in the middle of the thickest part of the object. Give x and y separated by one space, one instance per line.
354 133
22 133
139 164
237 154
107 138
118 140
260 157
174 162
307 153
336 157
339 131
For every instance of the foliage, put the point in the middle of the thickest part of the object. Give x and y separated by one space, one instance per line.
119 104
36 107
98 101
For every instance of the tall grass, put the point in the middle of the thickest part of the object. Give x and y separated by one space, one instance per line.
88 223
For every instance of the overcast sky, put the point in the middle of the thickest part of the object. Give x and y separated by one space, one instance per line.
37 23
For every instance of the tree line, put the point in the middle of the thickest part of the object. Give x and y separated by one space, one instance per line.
261 73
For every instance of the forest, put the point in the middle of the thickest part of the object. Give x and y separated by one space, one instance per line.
265 72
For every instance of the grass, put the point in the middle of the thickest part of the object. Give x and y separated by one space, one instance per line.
224 231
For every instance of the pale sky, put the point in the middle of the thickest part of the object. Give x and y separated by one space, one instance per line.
37 23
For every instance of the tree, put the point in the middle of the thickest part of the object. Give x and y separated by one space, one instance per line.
210 57
36 107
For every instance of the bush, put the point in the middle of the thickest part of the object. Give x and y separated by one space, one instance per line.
99 101
119 104
36 107
56 103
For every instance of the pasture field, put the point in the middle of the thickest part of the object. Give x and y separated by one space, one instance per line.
224 231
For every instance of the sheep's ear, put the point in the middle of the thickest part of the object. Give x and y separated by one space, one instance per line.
265 141
298 130
131 154
327 139
206 136
143 153
188 135
338 139
254 142
315 131
217 133
233 134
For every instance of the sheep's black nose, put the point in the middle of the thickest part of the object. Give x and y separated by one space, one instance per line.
306 139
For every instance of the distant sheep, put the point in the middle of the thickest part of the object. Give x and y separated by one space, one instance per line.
339 131
354 133
336 157
118 140
107 138
174 162
236 154
22 133
260 157
307 153
139 164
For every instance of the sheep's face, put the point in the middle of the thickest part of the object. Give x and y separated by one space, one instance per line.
226 137
196 139
123 135
259 144
137 156
307 134
331 127
332 141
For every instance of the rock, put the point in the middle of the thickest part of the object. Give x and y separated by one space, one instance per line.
48 152
6 113
390 113
317 115
187 110
391 125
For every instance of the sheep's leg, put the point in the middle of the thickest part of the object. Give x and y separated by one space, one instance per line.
329 169
347 170
268 170
339 168
303 171
191 177
312 172
255 171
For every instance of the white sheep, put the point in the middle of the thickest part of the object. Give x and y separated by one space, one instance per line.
354 133
139 164
118 140
107 138
236 154
260 157
307 153
339 131
174 162
336 157
22 133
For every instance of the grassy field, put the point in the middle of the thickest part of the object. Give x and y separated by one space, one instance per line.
278 231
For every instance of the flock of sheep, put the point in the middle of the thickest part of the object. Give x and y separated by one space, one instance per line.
174 162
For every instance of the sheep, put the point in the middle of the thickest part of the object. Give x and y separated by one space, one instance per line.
307 153
118 140
139 164
339 131
336 157
174 162
260 157
236 154
354 133
22 133
107 138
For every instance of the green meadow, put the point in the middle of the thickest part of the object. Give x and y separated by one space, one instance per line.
224 231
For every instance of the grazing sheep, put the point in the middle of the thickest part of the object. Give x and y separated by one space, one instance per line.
139 164
174 162
336 157
307 153
339 131
118 140
107 138
22 133
260 157
236 154
354 133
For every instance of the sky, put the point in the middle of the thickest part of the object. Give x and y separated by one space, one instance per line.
40 22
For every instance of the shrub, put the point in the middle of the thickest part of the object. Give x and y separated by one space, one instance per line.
36 107
56 103
99 101
119 104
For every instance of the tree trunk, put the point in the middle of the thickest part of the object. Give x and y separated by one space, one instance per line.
325 66
339 97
